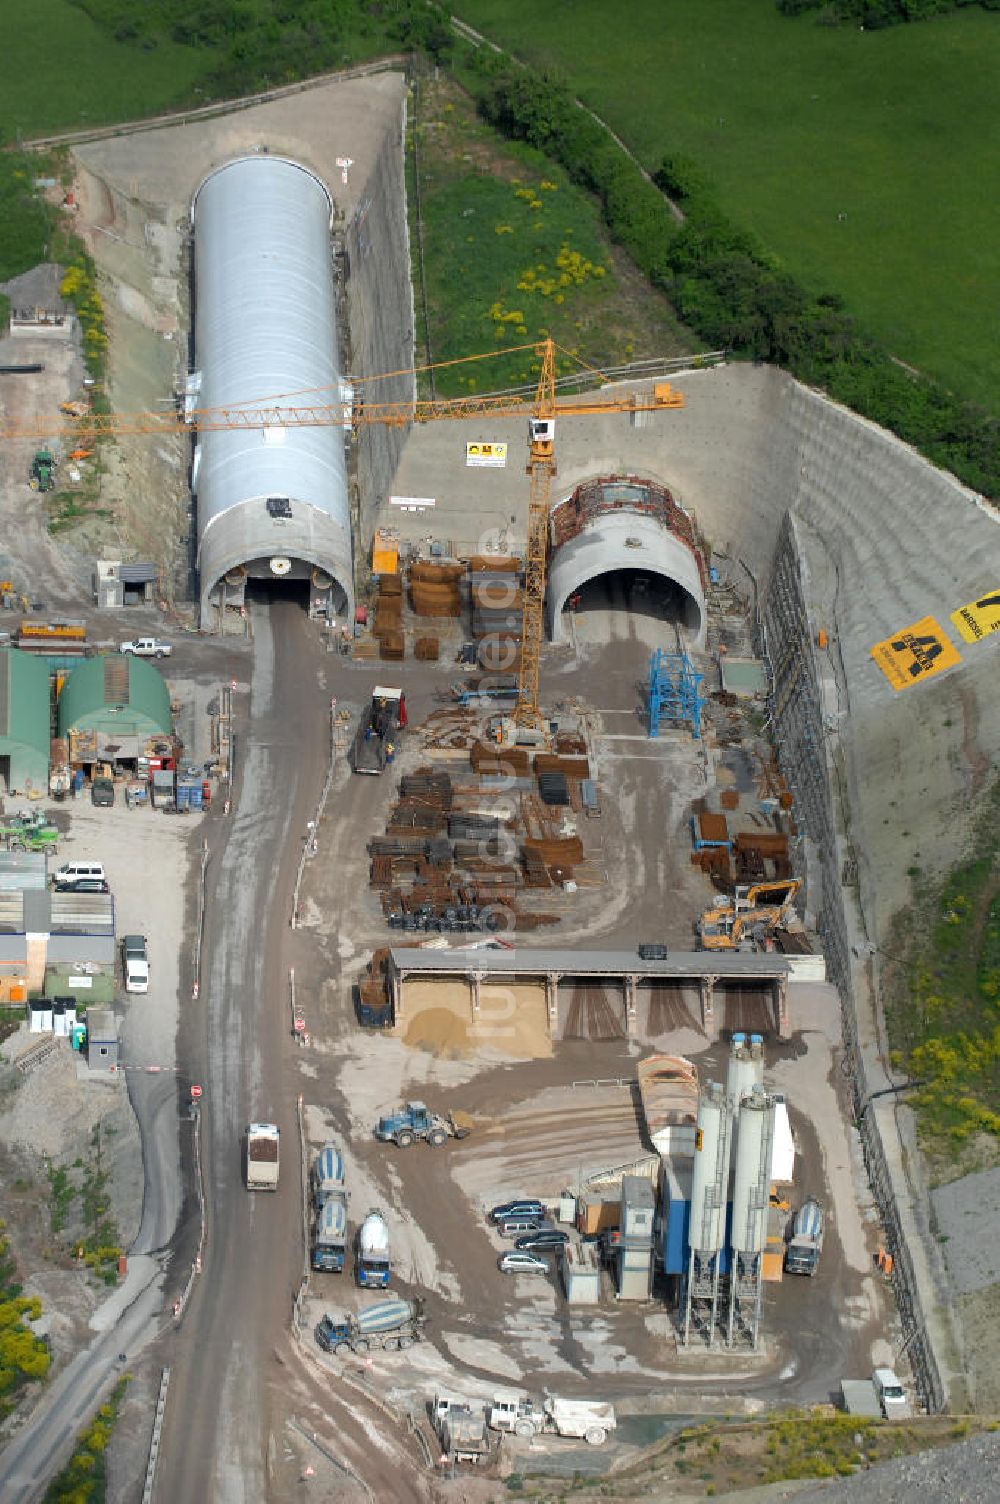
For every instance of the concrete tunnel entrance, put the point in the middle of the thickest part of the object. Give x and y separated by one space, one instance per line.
638 593
624 544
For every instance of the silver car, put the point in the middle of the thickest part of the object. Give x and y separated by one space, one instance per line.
519 1261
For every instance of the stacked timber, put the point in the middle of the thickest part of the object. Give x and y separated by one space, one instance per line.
570 767
436 588
427 649
494 564
496 762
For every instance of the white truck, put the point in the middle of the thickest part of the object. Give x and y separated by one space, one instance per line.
147 647
135 963
589 1420
262 1156
372 1263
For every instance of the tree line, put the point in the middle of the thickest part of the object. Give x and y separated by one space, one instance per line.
727 286
874 14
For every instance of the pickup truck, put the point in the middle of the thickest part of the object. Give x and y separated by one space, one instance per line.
135 961
147 647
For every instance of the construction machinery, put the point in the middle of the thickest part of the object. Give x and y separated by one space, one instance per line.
542 408
415 1121
741 921
749 931
42 474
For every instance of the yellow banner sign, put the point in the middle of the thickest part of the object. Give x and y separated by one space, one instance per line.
916 653
486 454
979 618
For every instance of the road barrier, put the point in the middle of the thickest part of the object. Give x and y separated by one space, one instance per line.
154 1444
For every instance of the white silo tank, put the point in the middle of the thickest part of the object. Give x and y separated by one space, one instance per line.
710 1173
751 1181
745 1068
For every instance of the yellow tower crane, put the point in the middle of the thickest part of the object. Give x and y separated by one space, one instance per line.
285 411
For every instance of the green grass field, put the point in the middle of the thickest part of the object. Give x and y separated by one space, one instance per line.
798 124
514 252
60 71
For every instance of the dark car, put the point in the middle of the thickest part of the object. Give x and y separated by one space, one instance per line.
83 885
102 792
546 1239
524 1208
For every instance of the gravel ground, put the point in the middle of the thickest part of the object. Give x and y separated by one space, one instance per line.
968 1213
963 1474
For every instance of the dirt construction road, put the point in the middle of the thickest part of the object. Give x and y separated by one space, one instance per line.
234 1348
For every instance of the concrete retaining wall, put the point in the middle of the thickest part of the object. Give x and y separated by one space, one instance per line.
380 317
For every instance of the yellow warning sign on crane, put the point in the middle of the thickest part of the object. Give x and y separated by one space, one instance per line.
980 617
916 653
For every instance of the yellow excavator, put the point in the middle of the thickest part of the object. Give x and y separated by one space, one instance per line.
740 921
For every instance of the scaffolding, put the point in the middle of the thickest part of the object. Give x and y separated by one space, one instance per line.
674 692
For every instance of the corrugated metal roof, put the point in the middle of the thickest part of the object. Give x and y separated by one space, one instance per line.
89 913
527 961
12 912
137 573
119 696
22 869
24 702
262 241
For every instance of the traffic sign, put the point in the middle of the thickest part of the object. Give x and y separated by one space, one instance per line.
195 1093
300 1023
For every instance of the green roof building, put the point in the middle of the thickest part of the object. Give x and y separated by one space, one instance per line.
110 707
25 730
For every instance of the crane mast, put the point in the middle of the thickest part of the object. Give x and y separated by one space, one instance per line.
541 468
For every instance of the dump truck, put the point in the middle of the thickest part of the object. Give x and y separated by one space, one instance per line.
463 1434
589 1420
379 731
414 1120
806 1242
328 1177
262 1140
372 1265
329 1241
389 1325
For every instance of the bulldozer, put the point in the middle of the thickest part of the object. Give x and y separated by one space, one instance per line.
42 474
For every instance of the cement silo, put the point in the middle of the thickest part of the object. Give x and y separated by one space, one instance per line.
745 1066
751 1201
709 1183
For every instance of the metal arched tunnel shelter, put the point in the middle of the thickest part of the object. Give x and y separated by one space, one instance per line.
272 503
620 524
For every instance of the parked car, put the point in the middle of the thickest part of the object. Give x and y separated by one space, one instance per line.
519 1261
84 885
545 1239
102 792
890 1394
518 1227
147 647
523 1208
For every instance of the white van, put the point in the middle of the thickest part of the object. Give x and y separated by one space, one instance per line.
891 1395
72 873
